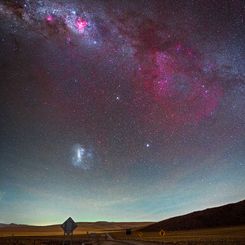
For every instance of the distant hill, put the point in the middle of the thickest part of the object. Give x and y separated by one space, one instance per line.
83 227
12 225
223 216
3 225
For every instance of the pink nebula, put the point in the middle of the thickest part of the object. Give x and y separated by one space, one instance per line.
49 18
81 24
177 84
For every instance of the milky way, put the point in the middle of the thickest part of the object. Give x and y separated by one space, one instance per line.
120 110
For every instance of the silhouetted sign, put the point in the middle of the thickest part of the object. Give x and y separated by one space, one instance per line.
162 233
69 226
128 232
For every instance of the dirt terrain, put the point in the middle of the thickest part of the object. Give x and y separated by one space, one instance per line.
56 230
220 236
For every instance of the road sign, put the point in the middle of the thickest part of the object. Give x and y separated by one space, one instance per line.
162 233
69 226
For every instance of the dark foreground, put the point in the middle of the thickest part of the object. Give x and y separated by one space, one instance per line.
79 241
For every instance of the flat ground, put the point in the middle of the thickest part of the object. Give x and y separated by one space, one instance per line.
105 236
218 234
83 228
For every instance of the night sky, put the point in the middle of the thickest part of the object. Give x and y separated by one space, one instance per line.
128 110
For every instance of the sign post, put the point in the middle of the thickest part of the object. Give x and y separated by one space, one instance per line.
68 227
128 233
162 233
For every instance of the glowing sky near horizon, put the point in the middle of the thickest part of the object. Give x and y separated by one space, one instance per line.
120 110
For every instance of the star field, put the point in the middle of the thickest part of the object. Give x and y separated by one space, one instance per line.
120 110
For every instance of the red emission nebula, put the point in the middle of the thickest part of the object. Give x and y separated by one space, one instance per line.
176 79
178 74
